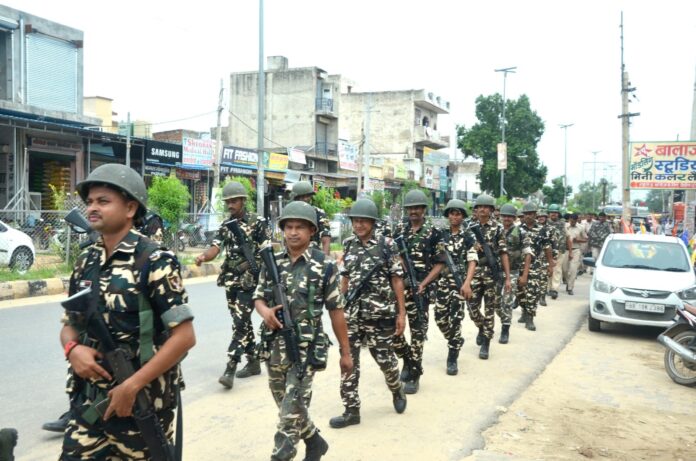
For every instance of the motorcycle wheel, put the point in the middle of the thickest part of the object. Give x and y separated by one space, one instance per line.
681 371
180 243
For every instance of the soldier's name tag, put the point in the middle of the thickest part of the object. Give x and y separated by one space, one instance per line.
349 258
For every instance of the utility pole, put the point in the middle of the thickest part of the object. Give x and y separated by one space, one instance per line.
366 146
218 142
690 194
594 178
505 71
262 114
625 125
565 162
360 163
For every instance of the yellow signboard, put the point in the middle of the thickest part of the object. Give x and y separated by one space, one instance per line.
662 165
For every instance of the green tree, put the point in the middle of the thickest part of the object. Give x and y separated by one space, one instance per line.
250 204
525 174
325 198
554 192
588 195
656 200
170 198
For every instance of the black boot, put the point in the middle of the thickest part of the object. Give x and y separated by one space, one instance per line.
316 447
504 334
348 418
399 400
529 324
58 425
406 370
554 294
522 317
8 440
227 378
479 337
452 356
542 301
252 368
483 353
411 386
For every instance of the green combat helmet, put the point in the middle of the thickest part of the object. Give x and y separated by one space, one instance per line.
529 207
364 208
233 189
302 188
508 210
554 208
455 204
298 210
542 213
8 440
484 200
119 176
415 197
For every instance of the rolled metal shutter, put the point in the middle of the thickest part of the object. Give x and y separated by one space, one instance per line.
51 73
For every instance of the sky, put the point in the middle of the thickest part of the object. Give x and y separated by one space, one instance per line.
163 60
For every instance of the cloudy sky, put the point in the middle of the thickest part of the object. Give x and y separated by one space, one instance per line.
163 60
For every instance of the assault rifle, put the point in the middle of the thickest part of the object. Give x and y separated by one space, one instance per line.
80 225
85 303
354 292
284 315
491 260
412 279
241 238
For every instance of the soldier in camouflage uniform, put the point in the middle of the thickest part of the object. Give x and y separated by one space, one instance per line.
483 287
599 231
238 279
449 303
425 246
519 246
311 284
134 277
304 192
548 233
152 227
373 280
562 245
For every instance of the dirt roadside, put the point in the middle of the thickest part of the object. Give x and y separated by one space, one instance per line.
605 396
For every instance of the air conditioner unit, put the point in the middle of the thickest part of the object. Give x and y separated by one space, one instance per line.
310 164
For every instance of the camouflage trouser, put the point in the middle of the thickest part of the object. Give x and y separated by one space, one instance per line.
418 332
449 312
240 305
293 397
543 278
509 300
485 289
113 440
378 336
533 291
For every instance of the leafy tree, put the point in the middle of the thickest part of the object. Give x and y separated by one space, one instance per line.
554 192
383 200
588 195
170 198
325 198
525 174
656 200
250 204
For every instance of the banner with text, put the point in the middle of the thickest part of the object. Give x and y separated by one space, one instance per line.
198 154
347 155
662 165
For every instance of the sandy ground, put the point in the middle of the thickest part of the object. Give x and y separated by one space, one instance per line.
605 396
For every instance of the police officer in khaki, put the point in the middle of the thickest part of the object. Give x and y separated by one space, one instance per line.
578 238
144 306
563 246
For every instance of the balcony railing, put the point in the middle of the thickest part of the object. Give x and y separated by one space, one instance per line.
325 149
324 105
429 137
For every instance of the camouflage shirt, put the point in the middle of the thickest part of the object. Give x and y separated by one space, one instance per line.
519 244
119 280
462 247
598 233
377 299
494 235
541 240
235 269
560 235
425 246
323 229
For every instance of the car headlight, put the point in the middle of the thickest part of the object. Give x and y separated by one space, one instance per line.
604 287
687 295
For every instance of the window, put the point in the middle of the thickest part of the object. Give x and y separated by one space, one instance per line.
636 254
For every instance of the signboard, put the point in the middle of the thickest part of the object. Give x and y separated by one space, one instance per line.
434 157
297 155
157 170
429 177
231 170
239 157
662 165
162 153
275 162
347 155
197 154
502 156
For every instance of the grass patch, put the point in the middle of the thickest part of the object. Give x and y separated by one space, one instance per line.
7 275
336 247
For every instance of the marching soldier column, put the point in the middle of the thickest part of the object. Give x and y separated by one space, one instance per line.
541 245
562 245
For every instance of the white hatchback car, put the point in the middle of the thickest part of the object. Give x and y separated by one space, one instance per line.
16 249
640 279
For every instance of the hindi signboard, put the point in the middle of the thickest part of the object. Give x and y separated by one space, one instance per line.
347 155
197 153
662 165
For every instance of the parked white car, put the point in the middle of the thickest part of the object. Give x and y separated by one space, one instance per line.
16 249
640 279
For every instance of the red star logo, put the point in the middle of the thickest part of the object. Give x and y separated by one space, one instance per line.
641 151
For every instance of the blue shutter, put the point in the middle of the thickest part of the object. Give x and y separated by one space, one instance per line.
51 73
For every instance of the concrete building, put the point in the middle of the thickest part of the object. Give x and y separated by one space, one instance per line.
465 182
101 108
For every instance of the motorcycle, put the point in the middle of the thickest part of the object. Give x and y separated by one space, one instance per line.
680 341
197 236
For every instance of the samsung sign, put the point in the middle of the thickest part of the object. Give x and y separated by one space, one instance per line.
162 153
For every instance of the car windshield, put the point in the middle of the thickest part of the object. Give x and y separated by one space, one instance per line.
662 256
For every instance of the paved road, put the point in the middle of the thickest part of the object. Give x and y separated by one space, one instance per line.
442 422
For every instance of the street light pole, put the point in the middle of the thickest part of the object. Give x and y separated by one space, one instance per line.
565 162
594 178
505 71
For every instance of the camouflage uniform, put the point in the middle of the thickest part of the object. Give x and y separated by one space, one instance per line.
597 235
549 233
324 229
239 281
518 241
312 283
540 241
425 248
449 303
372 316
483 285
561 247
87 435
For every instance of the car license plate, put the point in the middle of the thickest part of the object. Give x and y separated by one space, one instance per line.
645 307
